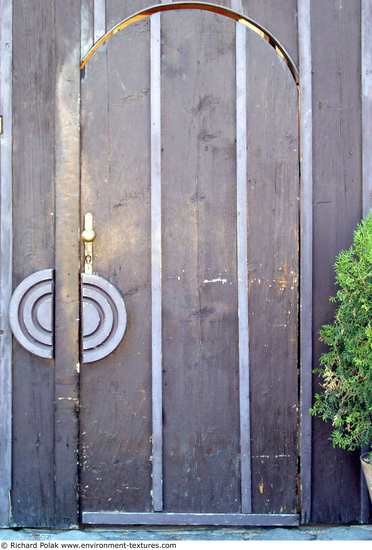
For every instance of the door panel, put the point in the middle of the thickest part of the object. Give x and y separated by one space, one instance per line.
116 392
201 401
273 203
200 363
33 249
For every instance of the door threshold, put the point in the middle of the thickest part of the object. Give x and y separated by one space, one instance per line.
168 518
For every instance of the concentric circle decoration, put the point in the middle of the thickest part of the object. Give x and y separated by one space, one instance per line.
31 313
104 317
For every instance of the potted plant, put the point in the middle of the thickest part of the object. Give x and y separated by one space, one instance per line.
346 368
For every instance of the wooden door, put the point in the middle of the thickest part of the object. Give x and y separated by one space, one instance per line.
189 165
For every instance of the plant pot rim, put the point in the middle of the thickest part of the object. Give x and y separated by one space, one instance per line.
365 456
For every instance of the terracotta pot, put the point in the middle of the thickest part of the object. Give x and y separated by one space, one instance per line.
367 469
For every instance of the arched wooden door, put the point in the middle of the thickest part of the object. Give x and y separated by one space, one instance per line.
189 166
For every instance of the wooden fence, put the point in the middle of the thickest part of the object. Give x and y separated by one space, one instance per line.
42 45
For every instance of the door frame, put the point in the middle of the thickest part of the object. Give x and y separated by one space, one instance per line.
158 516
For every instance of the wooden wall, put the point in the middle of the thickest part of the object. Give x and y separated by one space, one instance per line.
34 70
337 208
337 180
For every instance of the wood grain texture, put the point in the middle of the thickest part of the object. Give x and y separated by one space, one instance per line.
156 265
224 3
366 64
116 393
33 208
87 26
273 267
200 325
337 210
67 261
200 317
280 18
281 21
99 19
242 267
116 10
243 520
366 76
6 263
306 252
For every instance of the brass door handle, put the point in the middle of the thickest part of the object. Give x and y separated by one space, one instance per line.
104 316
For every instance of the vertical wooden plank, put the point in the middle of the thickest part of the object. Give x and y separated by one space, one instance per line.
33 240
115 419
117 10
6 250
337 177
306 262
200 295
224 3
87 26
67 177
242 250
366 73
99 19
273 208
278 18
366 63
156 307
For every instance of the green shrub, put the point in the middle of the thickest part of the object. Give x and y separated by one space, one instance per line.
346 369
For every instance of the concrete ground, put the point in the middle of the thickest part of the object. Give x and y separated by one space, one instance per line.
308 533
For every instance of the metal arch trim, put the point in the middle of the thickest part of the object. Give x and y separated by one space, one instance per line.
239 17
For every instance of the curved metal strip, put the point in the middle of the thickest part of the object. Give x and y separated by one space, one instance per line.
103 333
106 317
247 21
39 305
92 319
31 313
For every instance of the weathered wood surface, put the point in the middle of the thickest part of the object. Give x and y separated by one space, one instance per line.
6 247
200 318
366 89
278 18
156 264
243 520
99 19
116 393
87 26
282 22
366 74
242 267
116 10
33 209
67 261
337 210
273 263
306 254
200 363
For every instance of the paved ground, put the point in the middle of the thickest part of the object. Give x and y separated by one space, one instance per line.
317 533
